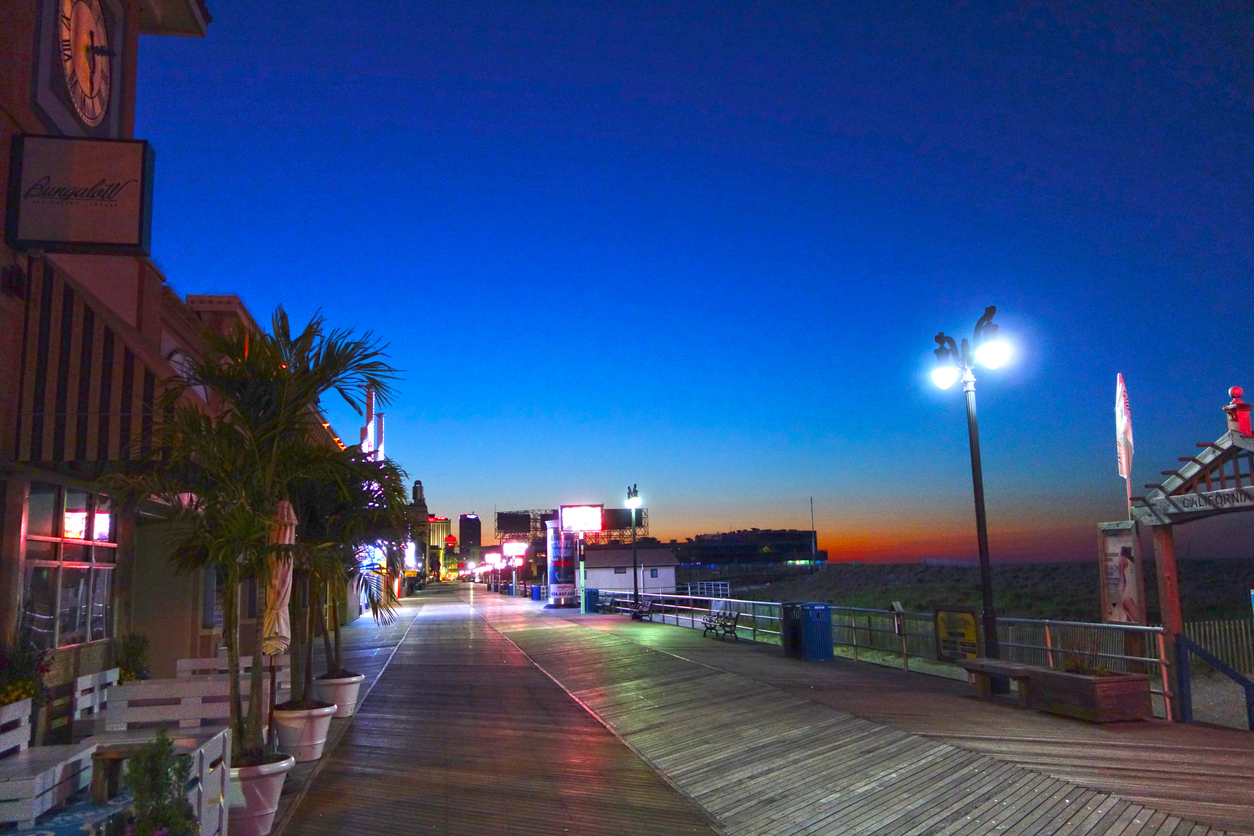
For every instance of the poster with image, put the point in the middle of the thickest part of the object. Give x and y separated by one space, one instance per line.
1121 574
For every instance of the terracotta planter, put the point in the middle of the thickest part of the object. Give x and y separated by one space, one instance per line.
260 786
1097 699
340 690
303 731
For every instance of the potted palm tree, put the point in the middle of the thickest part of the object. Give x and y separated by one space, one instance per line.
218 476
350 527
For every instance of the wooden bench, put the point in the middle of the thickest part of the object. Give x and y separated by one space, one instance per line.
34 780
196 710
208 788
981 672
189 703
91 697
640 611
217 666
722 624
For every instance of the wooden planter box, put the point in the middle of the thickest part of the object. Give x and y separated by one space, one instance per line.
1097 699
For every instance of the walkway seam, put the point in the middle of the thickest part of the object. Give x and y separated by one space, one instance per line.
280 826
716 823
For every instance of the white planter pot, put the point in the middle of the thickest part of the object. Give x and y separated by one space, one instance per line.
341 691
260 786
302 732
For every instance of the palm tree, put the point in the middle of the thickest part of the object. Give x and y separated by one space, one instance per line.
219 477
341 521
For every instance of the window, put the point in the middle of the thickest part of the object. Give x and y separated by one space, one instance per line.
71 549
620 570
653 573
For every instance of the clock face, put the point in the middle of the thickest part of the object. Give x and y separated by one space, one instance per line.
86 58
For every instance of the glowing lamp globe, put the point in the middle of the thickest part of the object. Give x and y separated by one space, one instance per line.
993 355
945 376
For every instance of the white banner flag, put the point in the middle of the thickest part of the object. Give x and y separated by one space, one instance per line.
1123 429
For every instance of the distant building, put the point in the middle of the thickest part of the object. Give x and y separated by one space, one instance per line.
438 531
609 567
752 546
470 530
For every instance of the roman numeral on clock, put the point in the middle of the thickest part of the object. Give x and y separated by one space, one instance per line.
66 52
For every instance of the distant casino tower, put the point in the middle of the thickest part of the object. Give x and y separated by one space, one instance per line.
470 529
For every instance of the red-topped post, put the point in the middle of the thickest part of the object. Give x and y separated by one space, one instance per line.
1238 412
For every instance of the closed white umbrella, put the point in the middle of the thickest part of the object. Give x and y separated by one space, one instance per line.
277 629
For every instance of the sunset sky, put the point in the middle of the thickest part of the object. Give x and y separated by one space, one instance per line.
704 247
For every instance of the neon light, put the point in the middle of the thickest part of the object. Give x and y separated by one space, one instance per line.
75 525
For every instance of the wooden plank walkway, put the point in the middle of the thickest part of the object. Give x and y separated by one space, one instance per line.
463 735
771 746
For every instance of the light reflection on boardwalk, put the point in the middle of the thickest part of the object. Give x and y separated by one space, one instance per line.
463 735
775 746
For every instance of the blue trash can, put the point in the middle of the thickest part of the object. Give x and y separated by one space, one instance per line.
535 592
591 598
816 633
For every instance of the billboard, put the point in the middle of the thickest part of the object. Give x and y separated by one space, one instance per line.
581 517
508 522
75 195
619 519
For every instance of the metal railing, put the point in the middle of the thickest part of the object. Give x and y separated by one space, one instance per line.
870 634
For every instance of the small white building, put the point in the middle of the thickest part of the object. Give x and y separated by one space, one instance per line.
609 567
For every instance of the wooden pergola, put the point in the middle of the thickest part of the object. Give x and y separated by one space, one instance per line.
1218 479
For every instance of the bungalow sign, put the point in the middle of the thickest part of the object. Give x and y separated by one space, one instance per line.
76 195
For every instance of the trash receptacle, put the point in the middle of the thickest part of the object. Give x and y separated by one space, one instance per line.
591 597
790 616
535 592
816 633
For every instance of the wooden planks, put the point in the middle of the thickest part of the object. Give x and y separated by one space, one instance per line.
766 746
462 734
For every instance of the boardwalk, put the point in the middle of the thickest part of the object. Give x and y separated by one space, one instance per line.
463 735
458 736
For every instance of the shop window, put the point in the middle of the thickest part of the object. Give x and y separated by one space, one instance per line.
41 509
71 548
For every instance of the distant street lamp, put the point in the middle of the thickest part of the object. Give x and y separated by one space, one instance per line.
633 502
953 363
514 554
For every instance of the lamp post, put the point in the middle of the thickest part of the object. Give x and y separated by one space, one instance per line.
514 555
952 363
633 502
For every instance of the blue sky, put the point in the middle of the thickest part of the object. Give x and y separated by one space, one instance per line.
704 247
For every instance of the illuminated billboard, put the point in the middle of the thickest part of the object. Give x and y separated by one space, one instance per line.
581 517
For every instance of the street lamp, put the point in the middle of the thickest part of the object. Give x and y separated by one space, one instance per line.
953 363
514 554
633 502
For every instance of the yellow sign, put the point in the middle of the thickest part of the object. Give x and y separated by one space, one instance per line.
957 635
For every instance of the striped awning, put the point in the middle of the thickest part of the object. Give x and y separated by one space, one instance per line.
88 383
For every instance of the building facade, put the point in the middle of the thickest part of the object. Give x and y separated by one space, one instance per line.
86 334
609 567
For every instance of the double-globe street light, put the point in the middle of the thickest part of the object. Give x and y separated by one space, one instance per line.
954 363
633 502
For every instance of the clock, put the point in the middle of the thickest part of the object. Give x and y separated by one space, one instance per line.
86 58
80 71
